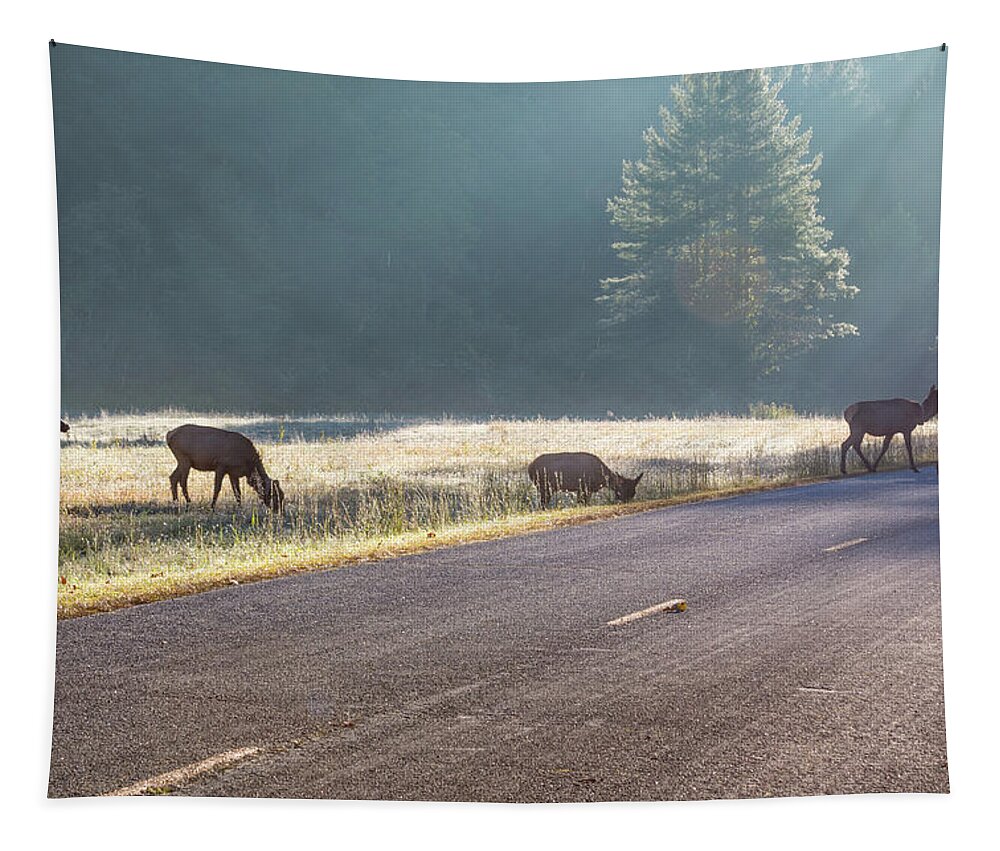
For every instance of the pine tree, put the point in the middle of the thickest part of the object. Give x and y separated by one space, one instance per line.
721 217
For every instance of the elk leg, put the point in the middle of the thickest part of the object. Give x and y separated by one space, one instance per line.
885 447
853 441
184 483
550 487
179 477
235 482
861 455
583 496
544 494
844 448
907 435
219 476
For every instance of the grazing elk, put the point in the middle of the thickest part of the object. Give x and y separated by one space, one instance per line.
226 453
63 426
886 418
581 472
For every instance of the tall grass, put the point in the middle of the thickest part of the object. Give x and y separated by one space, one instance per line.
353 483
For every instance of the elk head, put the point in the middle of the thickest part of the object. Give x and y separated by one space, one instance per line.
625 488
269 490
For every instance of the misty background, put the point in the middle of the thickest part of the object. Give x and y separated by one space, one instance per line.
235 238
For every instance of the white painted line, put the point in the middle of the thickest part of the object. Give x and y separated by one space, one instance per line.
180 776
845 545
669 606
823 690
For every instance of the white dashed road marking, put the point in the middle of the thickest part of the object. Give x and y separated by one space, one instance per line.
844 545
668 606
180 776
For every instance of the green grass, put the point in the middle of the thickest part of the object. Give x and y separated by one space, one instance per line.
361 488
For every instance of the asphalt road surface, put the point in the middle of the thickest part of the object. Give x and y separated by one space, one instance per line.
808 662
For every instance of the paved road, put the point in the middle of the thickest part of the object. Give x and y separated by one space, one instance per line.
487 672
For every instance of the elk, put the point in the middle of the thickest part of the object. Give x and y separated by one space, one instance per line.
581 472
226 453
63 426
886 418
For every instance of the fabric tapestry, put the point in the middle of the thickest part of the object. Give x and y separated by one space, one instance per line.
519 442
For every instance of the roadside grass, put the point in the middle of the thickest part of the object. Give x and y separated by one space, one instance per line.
364 488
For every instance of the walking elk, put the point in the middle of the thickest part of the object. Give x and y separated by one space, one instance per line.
886 418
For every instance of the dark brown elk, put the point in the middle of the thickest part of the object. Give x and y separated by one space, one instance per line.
580 472
226 453
886 418
63 426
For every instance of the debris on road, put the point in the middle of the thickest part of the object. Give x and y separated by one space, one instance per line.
676 605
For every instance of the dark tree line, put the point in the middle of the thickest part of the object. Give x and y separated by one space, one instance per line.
251 239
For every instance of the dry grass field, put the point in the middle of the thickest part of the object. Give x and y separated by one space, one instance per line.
360 487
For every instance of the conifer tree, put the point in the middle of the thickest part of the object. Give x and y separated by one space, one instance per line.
722 215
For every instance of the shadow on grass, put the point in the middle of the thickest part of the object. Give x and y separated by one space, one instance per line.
302 430
96 509
375 508
309 430
115 442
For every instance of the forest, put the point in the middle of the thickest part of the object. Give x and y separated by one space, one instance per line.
244 239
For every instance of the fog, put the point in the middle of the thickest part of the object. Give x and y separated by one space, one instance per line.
245 239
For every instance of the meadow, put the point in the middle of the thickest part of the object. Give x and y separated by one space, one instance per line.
363 487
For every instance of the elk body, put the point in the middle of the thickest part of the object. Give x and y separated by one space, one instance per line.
581 472
226 453
886 418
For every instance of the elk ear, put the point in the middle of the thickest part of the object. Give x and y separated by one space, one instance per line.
640 476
